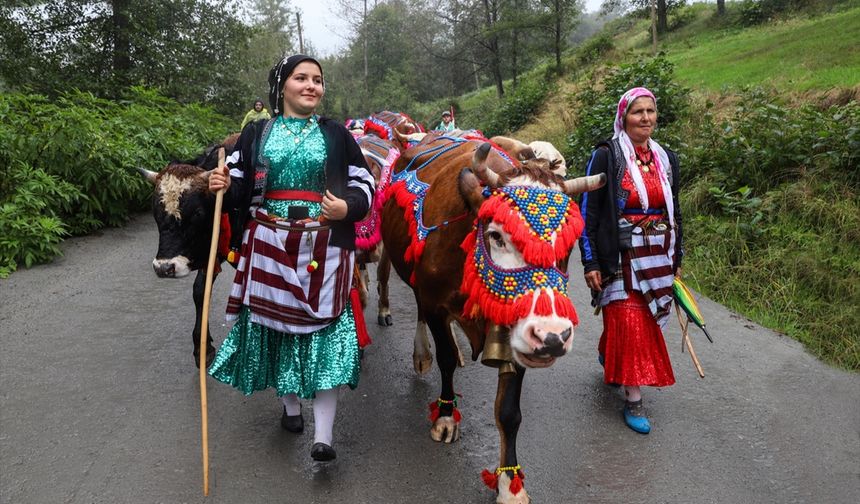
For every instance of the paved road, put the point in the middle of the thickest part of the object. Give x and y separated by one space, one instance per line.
99 404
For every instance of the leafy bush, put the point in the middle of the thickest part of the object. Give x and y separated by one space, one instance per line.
86 147
765 143
595 47
30 228
518 107
596 107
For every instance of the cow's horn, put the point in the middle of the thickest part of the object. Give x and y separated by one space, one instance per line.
479 166
584 184
148 175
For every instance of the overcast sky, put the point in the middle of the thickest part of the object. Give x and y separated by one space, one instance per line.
329 34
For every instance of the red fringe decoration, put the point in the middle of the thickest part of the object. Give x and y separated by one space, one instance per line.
434 413
517 483
544 304
371 127
360 325
490 479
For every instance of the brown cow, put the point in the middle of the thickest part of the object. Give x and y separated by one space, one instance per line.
392 126
381 155
489 261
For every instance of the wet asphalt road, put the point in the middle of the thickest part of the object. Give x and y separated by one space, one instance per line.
99 404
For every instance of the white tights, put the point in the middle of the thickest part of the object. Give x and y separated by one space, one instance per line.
632 393
325 408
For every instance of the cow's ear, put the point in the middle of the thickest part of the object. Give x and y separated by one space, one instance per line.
470 189
148 175
527 153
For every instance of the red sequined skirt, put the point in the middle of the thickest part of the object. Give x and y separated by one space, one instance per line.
633 346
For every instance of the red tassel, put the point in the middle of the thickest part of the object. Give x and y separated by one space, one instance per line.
360 325
434 411
457 416
544 304
516 484
490 479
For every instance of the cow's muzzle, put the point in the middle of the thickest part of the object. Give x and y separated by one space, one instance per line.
171 268
553 344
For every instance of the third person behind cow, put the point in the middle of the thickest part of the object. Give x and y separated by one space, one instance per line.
631 248
447 123
300 181
255 114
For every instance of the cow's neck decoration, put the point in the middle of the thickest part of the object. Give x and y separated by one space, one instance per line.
543 224
504 296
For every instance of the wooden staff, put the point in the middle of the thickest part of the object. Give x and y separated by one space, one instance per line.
204 329
685 340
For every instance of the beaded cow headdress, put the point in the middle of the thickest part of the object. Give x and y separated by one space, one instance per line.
543 225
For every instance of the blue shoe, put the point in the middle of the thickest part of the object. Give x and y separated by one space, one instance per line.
635 418
601 359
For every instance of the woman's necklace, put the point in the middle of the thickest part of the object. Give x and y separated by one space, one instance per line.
298 136
644 165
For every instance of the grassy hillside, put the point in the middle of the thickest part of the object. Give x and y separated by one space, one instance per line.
793 55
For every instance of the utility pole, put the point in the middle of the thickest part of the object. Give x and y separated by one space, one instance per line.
654 27
299 24
364 36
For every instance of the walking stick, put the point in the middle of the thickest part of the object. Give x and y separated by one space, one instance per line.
204 325
685 340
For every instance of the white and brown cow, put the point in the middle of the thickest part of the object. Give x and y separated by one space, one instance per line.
473 246
183 210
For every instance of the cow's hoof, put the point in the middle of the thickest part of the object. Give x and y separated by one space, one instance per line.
422 366
384 320
506 497
210 356
445 429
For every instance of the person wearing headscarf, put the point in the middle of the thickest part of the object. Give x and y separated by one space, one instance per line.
257 113
631 250
297 183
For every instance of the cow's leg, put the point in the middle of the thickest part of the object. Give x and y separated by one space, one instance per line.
199 291
422 359
383 273
446 427
363 281
508 418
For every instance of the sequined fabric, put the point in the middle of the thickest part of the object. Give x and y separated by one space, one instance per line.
632 345
254 357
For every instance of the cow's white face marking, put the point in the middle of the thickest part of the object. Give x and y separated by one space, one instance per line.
532 332
501 248
171 190
179 263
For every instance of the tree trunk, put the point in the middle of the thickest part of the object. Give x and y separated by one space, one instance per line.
721 7
364 36
121 44
558 16
662 17
492 16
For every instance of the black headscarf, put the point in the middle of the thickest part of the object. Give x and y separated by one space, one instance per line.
279 73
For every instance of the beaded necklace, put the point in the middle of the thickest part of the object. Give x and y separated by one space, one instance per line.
300 135
644 159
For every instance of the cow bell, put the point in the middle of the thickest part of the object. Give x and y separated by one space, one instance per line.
497 347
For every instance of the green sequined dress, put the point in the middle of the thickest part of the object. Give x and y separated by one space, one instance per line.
254 357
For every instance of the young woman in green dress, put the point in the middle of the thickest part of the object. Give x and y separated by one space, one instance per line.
297 183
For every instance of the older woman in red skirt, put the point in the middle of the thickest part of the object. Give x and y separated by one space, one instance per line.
631 250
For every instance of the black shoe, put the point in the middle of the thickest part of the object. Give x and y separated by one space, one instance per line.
322 452
292 423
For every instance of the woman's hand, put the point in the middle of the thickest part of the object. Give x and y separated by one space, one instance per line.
333 208
593 280
678 272
219 180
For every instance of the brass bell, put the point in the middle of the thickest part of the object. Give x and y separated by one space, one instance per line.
497 347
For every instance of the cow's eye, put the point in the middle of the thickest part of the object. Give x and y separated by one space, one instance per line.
497 238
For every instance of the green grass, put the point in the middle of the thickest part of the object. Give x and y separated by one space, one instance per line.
795 55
